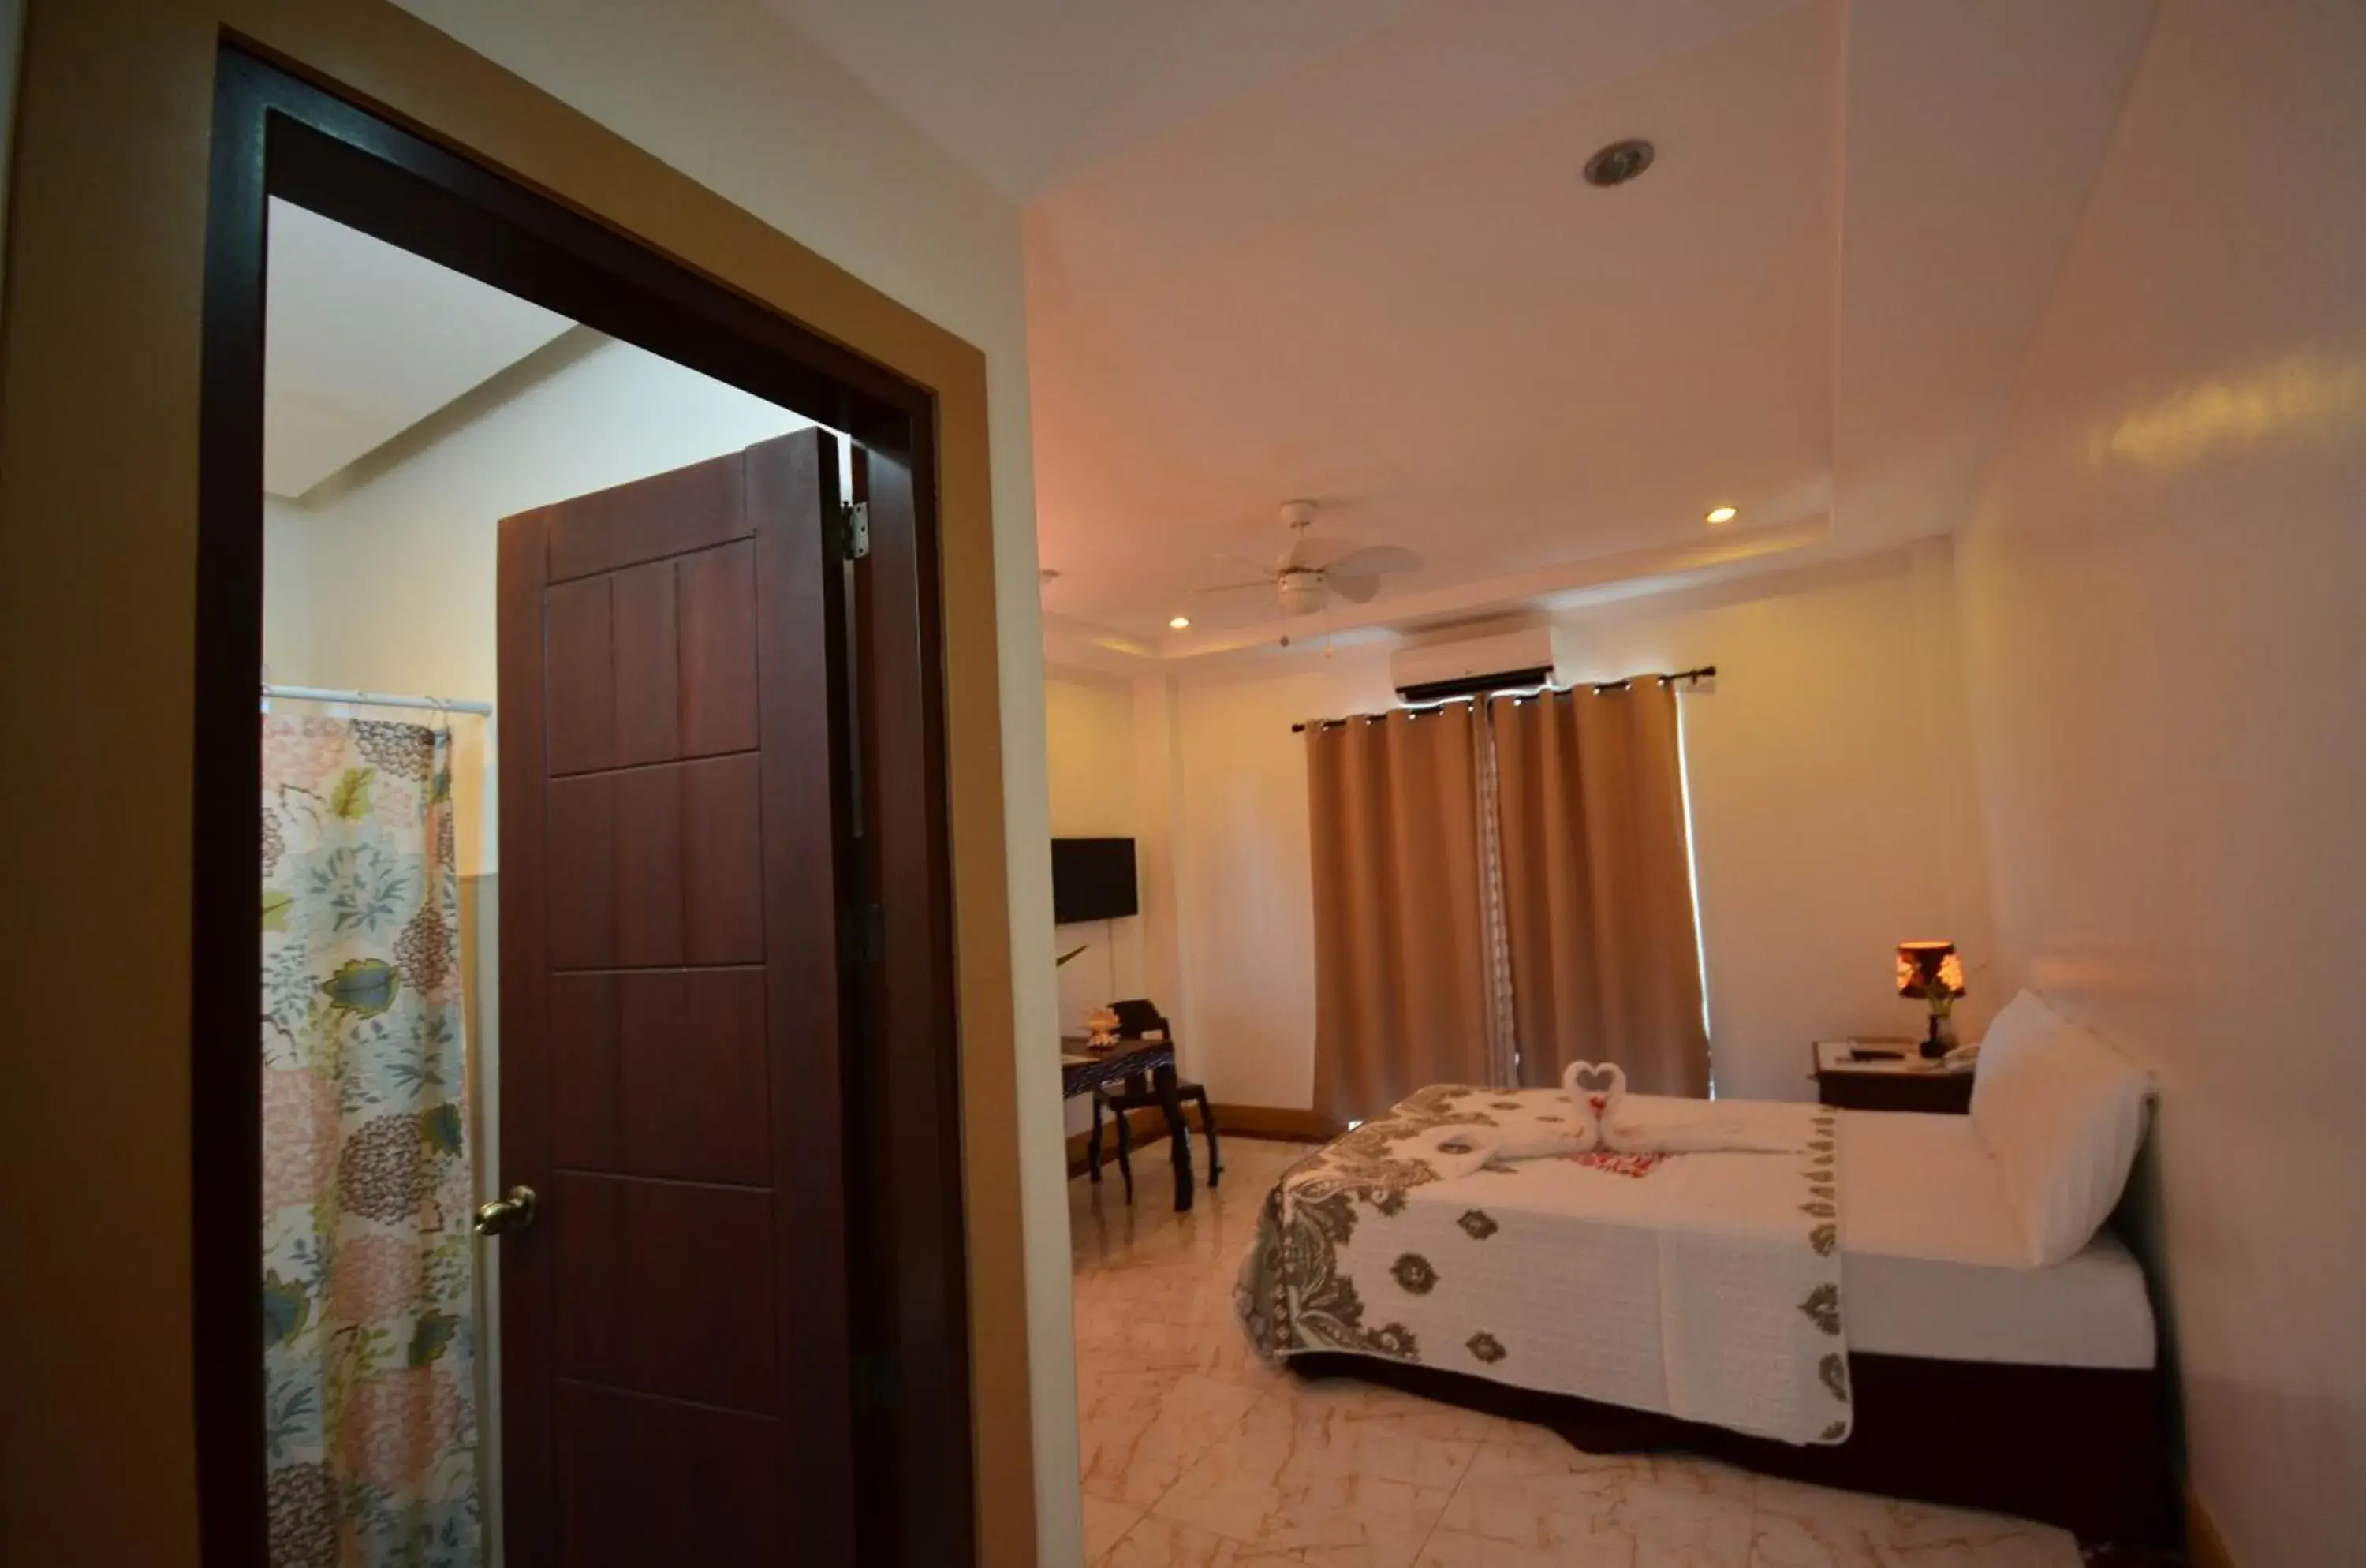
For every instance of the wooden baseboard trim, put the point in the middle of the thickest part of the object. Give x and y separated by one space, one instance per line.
2204 1547
1277 1122
1242 1121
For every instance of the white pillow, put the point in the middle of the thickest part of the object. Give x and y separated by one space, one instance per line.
2061 1113
2024 1015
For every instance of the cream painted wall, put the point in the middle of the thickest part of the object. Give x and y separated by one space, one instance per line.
2167 650
1244 898
402 545
1830 776
288 593
1089 756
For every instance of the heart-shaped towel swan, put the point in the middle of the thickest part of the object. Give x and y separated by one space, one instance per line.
1598 1090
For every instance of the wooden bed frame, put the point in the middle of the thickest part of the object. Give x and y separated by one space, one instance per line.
2083 1447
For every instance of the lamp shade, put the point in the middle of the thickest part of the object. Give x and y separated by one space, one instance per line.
1926 969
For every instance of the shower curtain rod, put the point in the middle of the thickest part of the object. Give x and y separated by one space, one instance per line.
378 699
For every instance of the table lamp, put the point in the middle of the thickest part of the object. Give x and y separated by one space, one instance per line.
1932 971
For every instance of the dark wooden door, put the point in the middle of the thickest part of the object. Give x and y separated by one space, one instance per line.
675 1323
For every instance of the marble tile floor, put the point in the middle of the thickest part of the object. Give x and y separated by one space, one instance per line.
1196 1455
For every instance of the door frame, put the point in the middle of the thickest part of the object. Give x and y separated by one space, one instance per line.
279 130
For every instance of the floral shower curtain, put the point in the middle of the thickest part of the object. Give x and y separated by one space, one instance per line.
368 1263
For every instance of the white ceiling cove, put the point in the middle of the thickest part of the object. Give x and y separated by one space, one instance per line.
340 299
1279 248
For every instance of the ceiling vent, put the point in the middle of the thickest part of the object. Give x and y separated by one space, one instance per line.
1618 163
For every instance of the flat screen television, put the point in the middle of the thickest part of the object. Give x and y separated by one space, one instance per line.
1092 879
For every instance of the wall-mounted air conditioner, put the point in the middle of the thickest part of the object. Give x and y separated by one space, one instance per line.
1503 660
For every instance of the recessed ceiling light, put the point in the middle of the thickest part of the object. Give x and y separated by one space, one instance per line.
1723 514
1177 623
1618 163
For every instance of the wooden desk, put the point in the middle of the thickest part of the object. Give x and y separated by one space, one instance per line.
1883 1085
1133 1061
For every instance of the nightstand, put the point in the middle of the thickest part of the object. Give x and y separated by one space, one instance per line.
1904 1084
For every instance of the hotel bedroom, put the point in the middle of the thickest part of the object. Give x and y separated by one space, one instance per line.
1618 819
1660 707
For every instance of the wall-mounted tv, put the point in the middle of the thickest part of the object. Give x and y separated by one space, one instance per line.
1092 879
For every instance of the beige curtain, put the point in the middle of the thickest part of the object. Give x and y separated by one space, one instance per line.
1597 891
1400 970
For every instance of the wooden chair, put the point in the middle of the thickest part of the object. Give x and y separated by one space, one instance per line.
1137 1020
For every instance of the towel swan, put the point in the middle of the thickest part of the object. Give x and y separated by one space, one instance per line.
1607 1120
1656 1125
1598 1090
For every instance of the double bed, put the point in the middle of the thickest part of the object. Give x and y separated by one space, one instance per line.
1863 1312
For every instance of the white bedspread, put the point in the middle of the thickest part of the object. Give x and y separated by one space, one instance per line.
1703 1286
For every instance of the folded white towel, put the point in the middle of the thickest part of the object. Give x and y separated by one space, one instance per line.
1652 1123
1595 1111
1661 1125
1539 1129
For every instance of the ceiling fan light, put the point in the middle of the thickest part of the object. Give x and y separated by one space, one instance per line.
1176 622
1722 514
1301 593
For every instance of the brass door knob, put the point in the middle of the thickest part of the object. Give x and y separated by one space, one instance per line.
513 1211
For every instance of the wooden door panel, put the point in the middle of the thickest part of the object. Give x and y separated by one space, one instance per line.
646 1481
586 1070
696 1090
579 674
665 514
723 862
667 1289
654 663
649 872
677 1332
581 912
661 1072
645 673
717 609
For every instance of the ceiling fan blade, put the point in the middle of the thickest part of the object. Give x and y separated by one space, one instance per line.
1320 554
1375 558
1355 586
1237 587
1265 567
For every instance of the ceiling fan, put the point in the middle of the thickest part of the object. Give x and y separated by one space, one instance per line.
1304 575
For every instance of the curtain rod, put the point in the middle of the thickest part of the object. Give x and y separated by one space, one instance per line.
378 699
1703 672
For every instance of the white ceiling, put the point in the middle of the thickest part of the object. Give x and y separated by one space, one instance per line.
339 300
1340 249
1312 247
1029 92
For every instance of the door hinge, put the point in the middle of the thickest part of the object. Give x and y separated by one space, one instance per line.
854 530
